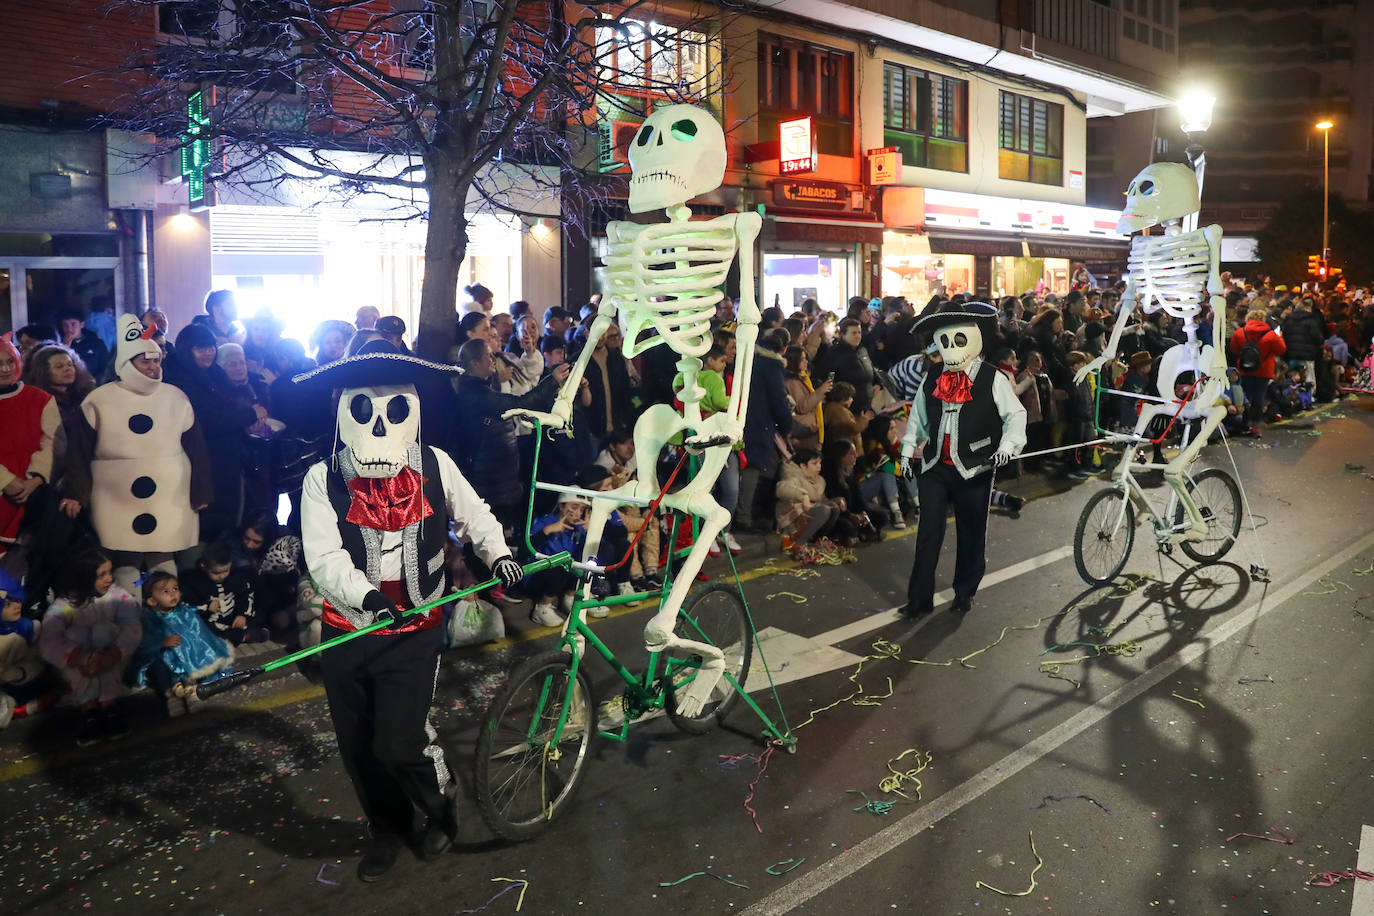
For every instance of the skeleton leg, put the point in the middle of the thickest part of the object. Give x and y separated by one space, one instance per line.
695 499
1173 473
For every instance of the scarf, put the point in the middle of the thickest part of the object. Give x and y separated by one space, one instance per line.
388 503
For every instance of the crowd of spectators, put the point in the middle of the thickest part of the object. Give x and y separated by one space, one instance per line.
817 465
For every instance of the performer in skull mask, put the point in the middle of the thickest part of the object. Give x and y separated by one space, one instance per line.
966 421
375 518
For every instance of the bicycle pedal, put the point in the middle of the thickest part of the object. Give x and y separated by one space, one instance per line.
1259 573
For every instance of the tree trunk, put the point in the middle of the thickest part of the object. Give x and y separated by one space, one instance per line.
446 242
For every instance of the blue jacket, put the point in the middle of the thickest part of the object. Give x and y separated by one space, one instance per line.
768 412
572 541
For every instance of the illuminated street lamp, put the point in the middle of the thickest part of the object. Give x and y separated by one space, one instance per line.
1194 118
1325 125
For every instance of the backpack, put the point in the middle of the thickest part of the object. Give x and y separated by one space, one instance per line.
1249 358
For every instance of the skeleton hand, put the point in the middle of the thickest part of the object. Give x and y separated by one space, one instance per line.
509 572
1090 369
726 434
1001 456
909 467
557 418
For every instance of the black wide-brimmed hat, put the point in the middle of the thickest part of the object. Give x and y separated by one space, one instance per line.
376 363
954 313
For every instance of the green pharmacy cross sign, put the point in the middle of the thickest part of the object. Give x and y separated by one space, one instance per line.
195 153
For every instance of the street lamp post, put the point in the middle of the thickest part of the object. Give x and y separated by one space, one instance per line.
1194 118
1325 126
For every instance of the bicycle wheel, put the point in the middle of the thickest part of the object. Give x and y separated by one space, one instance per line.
523 780
1218 499
713 615
1102 541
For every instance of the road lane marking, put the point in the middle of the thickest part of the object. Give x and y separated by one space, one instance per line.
881 619
1362 902
884 841
794 658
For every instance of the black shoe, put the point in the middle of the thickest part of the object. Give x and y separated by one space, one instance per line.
912 612
439 835
113 723
1013 505
92 731
961 606
379 856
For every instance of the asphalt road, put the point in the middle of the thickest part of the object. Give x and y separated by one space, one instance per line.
1234 707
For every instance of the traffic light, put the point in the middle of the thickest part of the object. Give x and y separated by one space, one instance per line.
1321 270
1314 262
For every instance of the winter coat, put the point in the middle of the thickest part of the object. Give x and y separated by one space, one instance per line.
845 423
615 380
1270 346
483 445
806 404
223 419
235 594
202 656
72 632
852 365
768 413
796 482
1303 335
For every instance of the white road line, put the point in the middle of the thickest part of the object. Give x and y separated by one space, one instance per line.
857 857
883 618
1362 902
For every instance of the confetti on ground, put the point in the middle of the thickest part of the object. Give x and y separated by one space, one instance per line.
1278 836
1053 667
783 867
1195 702
321 879
700 874
1256 680
499 894
793 596
1049 798
1039 864
1328 878
1329 586
1354 467
872 806
894 782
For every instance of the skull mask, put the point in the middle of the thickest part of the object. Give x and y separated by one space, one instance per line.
1163 191
959 344
678 153
379 425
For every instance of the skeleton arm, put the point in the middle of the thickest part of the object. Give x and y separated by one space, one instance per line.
1125 311
1217 301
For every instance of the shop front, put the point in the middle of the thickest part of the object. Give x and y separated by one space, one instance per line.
997 246
817 243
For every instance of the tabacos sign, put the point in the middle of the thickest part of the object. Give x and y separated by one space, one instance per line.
811 195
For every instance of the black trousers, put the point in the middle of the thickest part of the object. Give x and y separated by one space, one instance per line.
939 489
380 689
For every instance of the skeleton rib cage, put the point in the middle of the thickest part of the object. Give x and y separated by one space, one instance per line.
1170 272
668 276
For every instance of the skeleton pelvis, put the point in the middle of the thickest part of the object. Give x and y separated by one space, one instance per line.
656 426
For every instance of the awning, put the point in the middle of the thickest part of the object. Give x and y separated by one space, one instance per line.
966 243
1074 251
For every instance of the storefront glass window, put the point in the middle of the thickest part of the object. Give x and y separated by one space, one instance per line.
1014 276
788 279
910 270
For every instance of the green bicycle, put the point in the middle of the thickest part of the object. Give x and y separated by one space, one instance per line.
537 737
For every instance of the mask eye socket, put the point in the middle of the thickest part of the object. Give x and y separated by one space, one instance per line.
646 133
944 341
961 339
1130 190
685 129
360 408
397 409
1147 187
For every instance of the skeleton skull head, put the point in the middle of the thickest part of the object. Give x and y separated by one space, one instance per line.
1163 191
958 344
379 425
678 153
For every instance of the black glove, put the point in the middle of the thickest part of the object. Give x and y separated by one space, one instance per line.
509 572
380 605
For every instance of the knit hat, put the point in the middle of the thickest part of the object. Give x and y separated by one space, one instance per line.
226 351
7 346
10 588
132 339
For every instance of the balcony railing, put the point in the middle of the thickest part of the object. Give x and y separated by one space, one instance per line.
1082 24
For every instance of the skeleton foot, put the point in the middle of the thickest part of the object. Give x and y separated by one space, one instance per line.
707 677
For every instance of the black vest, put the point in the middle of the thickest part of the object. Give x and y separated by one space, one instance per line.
979 428
422 547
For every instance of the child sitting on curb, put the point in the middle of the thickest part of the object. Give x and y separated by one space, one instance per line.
178 650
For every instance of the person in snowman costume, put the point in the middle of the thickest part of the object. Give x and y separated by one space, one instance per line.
965 422
375 518
139 462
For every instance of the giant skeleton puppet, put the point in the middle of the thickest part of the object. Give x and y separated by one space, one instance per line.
375 520
666 278
1173 272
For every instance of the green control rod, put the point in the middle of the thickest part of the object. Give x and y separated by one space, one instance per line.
239 678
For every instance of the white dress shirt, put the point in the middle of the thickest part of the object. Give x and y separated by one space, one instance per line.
1009 408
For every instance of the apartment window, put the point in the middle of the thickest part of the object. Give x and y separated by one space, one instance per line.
197 19
799 78
925 115
1151 22
1030 140
653 58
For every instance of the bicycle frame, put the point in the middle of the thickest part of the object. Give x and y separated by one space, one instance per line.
1123 479
646 691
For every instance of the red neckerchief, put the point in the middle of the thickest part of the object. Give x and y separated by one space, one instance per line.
1008 368
388 503
954 387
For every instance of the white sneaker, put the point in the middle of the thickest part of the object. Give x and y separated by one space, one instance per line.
544 615
599 611
731 543
714 550
626 588
6 709
897 521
